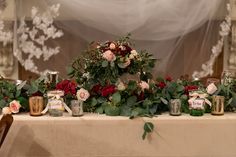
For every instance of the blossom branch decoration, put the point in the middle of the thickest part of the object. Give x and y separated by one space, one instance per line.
207 68
31 40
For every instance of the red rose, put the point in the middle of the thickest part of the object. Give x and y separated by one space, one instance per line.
141 96
161 85
96 89
168 78
187 89
124 49
67 86
110 89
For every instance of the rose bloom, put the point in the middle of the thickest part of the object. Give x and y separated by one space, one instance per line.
6 110
121 86
168 78
144 85
67 86
112 46
134 53
161 85
122 48
110 89
108 55
190 88
14 106
82 94
211 88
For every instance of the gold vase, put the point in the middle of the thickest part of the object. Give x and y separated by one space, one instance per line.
36 105
217 105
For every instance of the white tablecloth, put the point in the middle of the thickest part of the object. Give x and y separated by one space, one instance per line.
99 136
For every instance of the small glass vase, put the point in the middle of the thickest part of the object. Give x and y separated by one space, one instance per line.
55 103
197 108
175 107
77 108
217 105
36 104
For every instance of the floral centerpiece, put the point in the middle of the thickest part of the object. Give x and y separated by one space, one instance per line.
100 71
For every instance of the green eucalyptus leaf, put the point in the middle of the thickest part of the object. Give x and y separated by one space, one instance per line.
164 100
3 103
131 100
147 102
99 110
112 64
153 109
116 98
148 128
101 100
180 88
18 92
112 111
104 64
93 101
125 111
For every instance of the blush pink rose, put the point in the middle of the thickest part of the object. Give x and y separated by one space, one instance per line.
14 106
144 85
108 55
6 110
82 94
112 46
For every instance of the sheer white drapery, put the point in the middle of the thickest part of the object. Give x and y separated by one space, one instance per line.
178 32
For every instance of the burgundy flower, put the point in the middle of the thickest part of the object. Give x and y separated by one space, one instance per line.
6 98
110 89
124 50
96 89
67 86
161 85
168 78
190 88
141 96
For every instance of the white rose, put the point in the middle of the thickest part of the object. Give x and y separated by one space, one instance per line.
144 85
131 56
211 88
14 106
121 86
82 94
108 55
122 48
134 53
112 46
6 110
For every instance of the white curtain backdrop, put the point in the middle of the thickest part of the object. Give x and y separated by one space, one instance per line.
178 32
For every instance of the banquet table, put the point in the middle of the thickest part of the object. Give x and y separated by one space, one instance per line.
94 135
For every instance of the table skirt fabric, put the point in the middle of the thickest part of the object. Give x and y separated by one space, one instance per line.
102 136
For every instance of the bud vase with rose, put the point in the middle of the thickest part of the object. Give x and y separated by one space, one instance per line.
77 105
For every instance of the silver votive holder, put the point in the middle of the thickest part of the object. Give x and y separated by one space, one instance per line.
77 108
175 107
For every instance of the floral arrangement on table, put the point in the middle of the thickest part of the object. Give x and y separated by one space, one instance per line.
100 74
12 97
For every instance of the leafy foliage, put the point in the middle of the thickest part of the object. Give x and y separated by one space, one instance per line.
9 91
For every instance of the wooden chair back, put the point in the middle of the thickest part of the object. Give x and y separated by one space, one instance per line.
5 124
